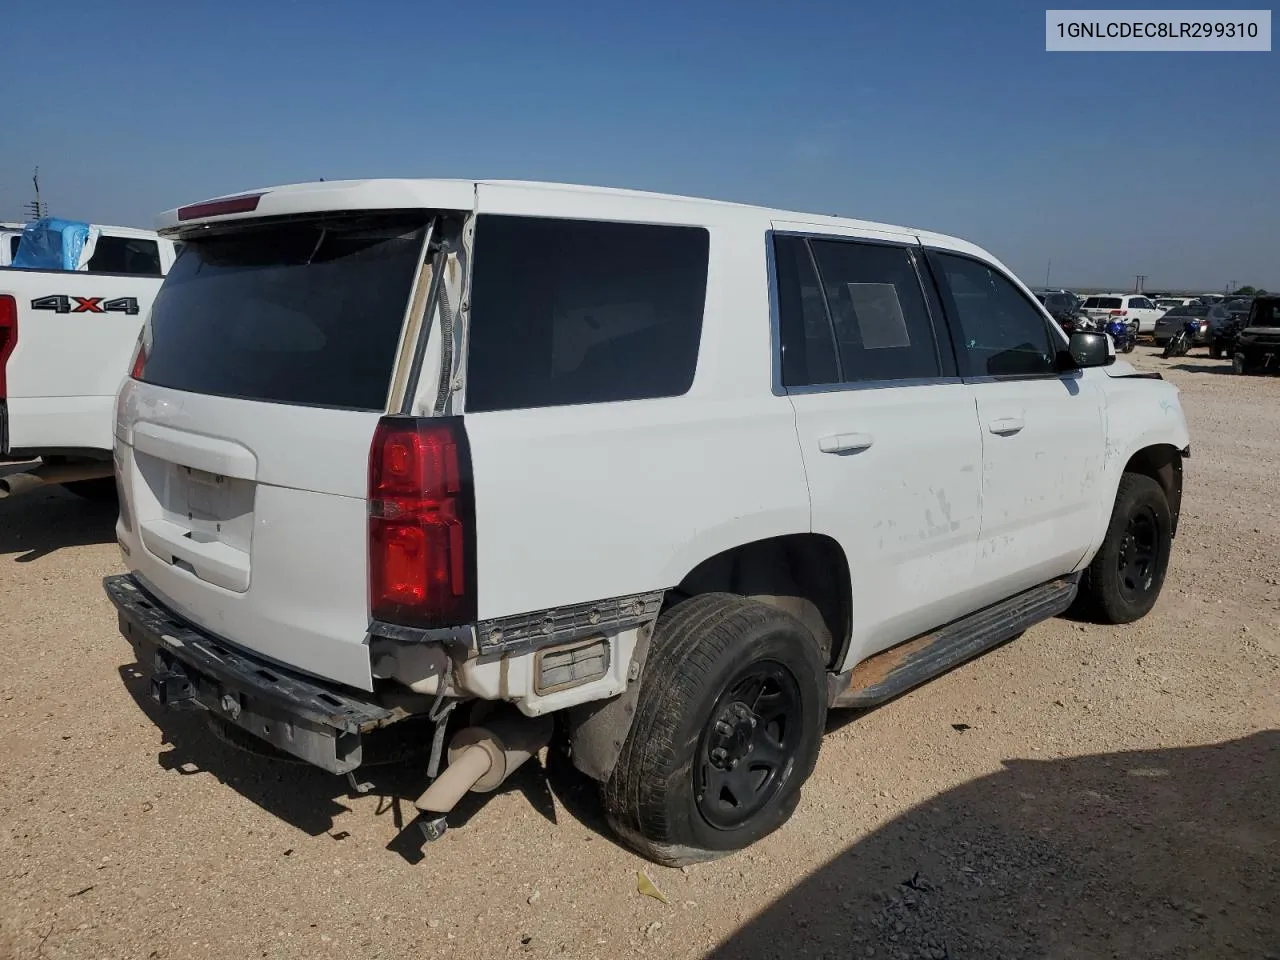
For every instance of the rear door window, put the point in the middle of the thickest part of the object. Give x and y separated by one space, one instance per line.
882 326
808 341
578 311
304 313
137 256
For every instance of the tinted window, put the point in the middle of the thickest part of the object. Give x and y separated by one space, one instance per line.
577 311
1141 303
1000 331
1265 313
1103 303
303 313
132 255
1060 301
1187 312
13 245
881 324
808 344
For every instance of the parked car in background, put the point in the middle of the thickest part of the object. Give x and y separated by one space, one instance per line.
1168 303
1169 324
1130 306
1064 307
1257 344
1238 307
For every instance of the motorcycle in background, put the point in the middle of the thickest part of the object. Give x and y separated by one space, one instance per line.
1181 341
1124 335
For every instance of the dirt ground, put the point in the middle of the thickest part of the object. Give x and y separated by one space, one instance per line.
1081 792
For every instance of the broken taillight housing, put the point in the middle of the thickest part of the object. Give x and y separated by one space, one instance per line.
8 338
421 523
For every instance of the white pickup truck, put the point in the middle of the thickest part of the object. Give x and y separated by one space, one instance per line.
65 341
680 475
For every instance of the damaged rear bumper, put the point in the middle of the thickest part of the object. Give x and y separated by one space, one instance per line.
316 722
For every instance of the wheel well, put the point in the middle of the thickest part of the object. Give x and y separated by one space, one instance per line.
805 574
1163 464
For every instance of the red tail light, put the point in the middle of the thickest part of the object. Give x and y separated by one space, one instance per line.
1119 313
139 360
8 338
421 523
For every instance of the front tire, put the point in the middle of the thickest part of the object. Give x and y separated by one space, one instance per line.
727 728
1124 580
1239 365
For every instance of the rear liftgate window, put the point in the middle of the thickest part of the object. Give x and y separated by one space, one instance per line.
299 313
576 311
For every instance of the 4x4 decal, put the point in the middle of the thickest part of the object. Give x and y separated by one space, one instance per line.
60 303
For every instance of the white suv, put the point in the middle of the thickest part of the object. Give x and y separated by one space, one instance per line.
1132 308
683 474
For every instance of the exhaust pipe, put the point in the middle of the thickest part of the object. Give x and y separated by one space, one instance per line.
16 484
480 759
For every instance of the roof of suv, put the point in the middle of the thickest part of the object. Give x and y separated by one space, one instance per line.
460 195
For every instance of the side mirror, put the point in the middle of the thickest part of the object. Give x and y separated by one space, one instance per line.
1088 348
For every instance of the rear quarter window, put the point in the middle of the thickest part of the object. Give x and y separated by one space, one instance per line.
577 311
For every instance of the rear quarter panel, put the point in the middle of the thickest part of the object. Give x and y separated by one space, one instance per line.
583 503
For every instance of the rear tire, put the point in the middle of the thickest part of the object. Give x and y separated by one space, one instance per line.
1124 580
727 728
99 490
1238 365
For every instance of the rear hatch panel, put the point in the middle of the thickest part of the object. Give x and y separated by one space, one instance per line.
243 450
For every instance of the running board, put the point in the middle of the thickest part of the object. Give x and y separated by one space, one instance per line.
895 671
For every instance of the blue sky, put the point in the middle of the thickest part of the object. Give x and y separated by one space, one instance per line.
948 116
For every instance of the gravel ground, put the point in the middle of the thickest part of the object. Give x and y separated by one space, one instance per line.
1081 792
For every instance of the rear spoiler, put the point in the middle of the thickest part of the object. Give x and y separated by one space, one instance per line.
321 197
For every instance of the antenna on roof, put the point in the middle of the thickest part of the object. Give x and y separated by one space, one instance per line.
37 207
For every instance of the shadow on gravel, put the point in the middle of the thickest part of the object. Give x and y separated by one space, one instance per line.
43 521
307 797
1222 367
1160 853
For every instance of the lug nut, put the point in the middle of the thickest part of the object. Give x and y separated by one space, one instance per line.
723 728
719 754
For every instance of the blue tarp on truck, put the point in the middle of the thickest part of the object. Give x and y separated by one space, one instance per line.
51 244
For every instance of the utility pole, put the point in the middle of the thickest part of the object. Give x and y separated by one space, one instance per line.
1138 282
1047 268
37 207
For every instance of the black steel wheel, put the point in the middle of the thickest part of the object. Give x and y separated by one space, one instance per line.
748 747
1139 553
728 722
1124 580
